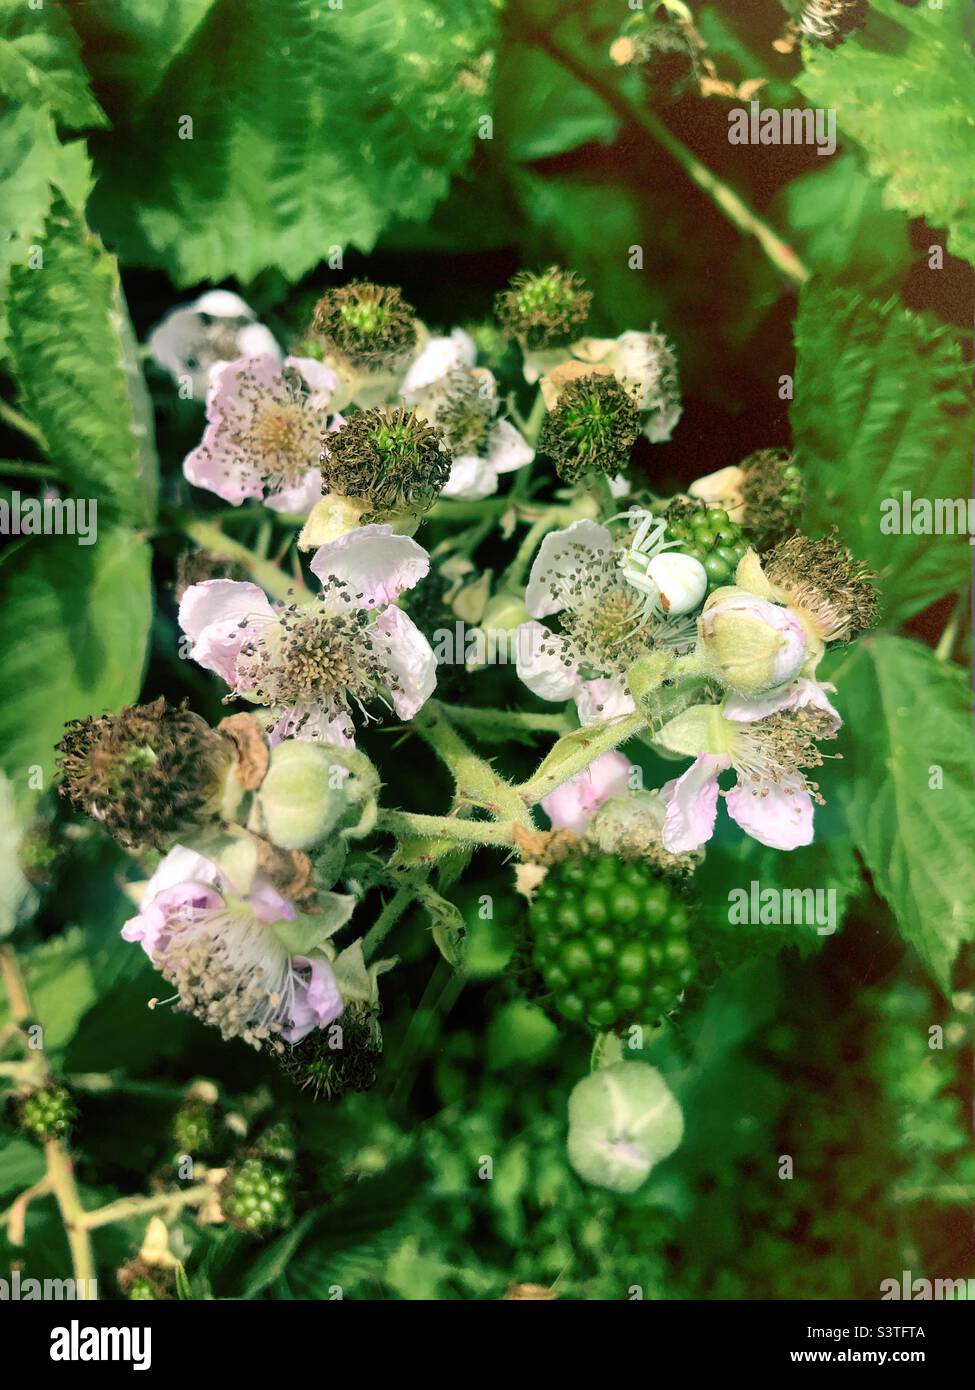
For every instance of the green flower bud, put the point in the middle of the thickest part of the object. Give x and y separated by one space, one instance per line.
623 1120
301 798
752 645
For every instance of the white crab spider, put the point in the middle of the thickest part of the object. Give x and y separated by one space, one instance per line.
670 584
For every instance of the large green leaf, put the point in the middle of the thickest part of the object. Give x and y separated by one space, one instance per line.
74 359
311 127
130 48
910 789
40 63
903 88
882 407
74 622
33 164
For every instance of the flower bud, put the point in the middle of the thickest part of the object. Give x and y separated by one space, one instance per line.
751 645
301 798
623 1120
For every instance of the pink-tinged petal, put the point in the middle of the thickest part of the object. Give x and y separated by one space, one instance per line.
208 466
599 700
797 696
558 554
471 478
181 865
691 802
409 658
322 381
376 564
268 904
264 369
219 616
438 358
311 724
506 448
573 805
778 815
317 1000
297 500
541 665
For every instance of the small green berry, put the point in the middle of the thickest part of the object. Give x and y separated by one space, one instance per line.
47 1114
617 954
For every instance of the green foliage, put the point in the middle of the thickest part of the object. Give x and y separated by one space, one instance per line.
73 626
375 105
74 355
882 406
908 788
902 87
40 64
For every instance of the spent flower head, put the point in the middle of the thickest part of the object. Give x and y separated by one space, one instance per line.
543 309
367 325
591 427
147 774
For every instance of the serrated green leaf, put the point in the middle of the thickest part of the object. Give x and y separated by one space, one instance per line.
908 715
882 406
74 623
74 358
903 88
312 128
840 226
40 63
32 164
61 985
542 111
131 47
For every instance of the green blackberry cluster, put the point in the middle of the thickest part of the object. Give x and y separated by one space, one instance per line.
194 1129
47 1114
257 1197
610 941
709 534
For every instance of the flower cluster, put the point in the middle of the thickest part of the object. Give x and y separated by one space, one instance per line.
696 622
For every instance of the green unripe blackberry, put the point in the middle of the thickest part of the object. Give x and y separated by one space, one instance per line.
47 1114
610 941
709 535
257 1197
141 1290
194 1129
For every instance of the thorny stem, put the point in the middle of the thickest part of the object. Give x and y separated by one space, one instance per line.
737 211
169 1202
488 721
477 782
60 1171
471 832
263 572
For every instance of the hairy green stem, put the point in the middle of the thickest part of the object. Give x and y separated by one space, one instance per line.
477 782
277 585
388 917
471 832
